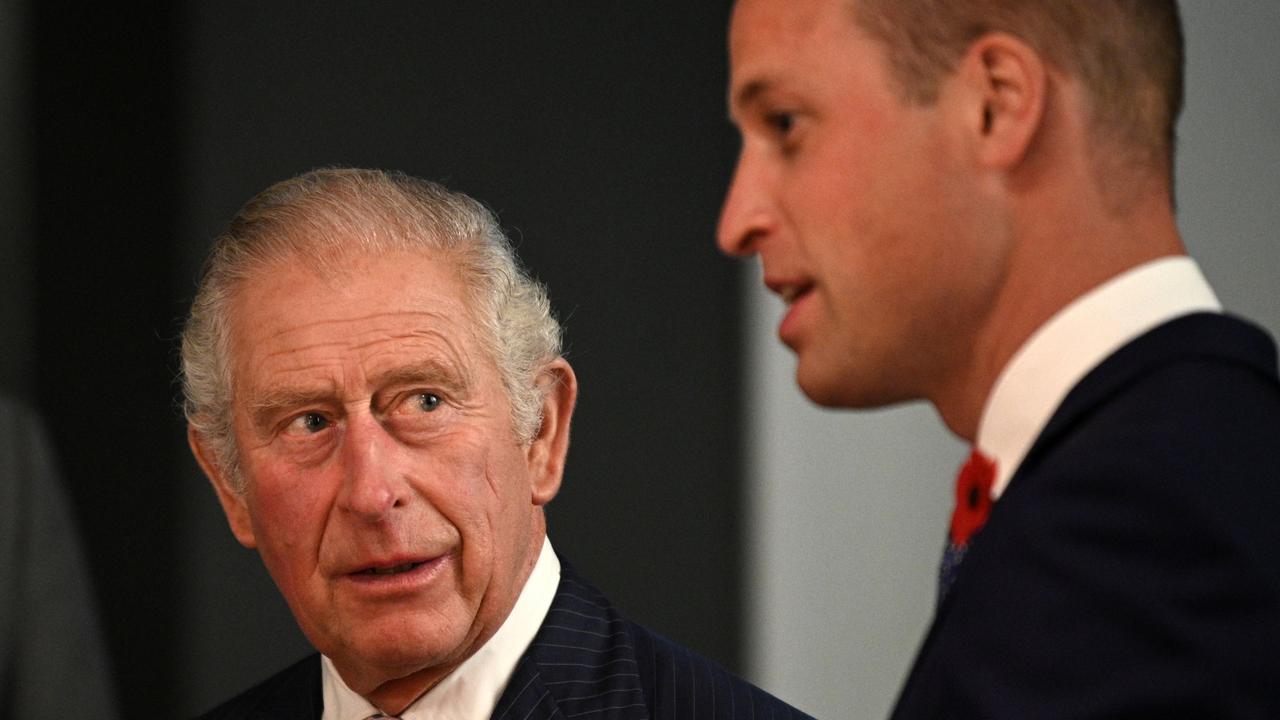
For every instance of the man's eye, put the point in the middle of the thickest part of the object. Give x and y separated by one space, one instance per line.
309 423
781 122
426 401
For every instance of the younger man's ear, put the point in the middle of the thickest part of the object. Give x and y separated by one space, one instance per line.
233 501
1005 84
550 445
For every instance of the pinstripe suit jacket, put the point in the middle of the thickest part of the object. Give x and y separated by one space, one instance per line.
586 661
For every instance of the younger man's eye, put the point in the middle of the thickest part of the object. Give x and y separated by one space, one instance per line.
781 122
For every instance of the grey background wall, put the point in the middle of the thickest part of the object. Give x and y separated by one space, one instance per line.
849 510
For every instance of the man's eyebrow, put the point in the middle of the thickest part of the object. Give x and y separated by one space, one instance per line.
446 376
747 94
264 409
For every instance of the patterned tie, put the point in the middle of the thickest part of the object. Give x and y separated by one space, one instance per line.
973 505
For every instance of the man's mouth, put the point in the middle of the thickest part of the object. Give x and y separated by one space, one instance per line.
794 296
396 574
790 293
393 570
789 290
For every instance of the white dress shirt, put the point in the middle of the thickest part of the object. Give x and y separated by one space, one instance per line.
471 691
1074 341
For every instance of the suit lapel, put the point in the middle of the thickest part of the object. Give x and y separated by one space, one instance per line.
1201 336
581 663
526 696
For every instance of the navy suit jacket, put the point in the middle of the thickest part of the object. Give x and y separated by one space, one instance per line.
1132 568
586 661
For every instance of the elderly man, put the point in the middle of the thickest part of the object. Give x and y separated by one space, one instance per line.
969 202
375 389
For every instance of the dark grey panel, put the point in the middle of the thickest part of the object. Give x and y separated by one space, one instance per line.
15 238
595 130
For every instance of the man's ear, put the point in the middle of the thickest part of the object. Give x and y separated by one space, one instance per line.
233 501
1004 82
550 445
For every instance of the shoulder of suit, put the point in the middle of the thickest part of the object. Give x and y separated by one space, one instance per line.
673 679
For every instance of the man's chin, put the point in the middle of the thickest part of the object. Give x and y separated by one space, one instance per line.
819 384
377 654
843 388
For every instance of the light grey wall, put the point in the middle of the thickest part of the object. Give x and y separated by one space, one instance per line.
15 255
849 509
848 512
1229 152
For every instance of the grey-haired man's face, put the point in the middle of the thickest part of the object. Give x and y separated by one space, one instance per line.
384 487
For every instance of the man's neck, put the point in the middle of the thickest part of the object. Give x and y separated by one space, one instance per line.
1064 249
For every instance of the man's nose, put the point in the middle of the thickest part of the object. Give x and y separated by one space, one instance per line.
747 216
374 483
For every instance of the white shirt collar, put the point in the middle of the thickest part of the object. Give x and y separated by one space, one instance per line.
470 692
1074 341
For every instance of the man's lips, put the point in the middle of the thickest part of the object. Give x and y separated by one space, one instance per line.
393 565
794 295
790 293
396 577
392 570
788 290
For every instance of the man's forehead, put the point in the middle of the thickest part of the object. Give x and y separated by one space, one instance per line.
380 312
759 24
767 39
377 348
338 284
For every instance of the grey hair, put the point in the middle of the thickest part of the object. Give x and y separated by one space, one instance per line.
322 217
